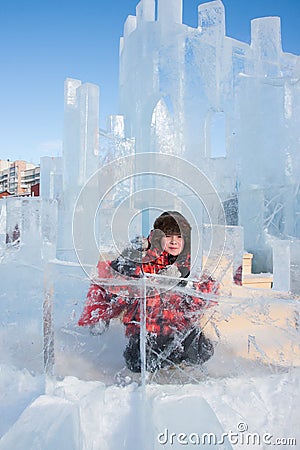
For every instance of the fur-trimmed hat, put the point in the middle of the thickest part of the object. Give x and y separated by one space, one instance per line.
169 223
172 222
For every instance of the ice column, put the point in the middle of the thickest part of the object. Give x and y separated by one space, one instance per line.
145 11
71 125
281 265
251 217
80 154
170 11
211 20
295 266
129 26
81 125
266 44
51 177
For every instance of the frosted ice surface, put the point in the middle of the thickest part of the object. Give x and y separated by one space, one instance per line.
211 19
266 41
162 127
51 183
71 86
21 316
115 126
129 26
195 414
145 11
61 426
169 11
295 266
281 260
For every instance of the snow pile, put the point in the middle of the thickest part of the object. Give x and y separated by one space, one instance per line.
76 414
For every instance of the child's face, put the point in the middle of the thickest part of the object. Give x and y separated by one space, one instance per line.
173 244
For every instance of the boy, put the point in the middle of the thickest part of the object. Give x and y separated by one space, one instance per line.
172 316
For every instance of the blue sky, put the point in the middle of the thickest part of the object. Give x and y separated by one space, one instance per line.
44 42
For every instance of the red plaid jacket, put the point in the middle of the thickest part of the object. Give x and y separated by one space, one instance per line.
167 311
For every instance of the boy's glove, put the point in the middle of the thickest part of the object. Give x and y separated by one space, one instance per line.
140 243
131 257
99 328
170 271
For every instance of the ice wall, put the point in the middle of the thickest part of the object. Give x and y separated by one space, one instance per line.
229 107
30 230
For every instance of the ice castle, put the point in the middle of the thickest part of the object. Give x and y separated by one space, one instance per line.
228 107
218 121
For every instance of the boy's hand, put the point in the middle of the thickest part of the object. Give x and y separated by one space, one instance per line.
99 328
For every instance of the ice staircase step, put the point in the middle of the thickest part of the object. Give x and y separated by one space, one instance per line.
47 424
186 422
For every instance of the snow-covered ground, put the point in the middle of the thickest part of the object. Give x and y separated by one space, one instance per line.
76 414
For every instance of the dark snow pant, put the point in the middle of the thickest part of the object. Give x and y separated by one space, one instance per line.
162 351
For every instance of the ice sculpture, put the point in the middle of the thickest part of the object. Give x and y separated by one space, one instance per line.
199 110
197 74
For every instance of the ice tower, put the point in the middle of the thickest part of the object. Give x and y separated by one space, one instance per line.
80 154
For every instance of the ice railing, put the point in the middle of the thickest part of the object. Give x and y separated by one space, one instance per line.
254 332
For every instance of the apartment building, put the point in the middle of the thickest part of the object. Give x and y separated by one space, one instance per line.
29 178
18 177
